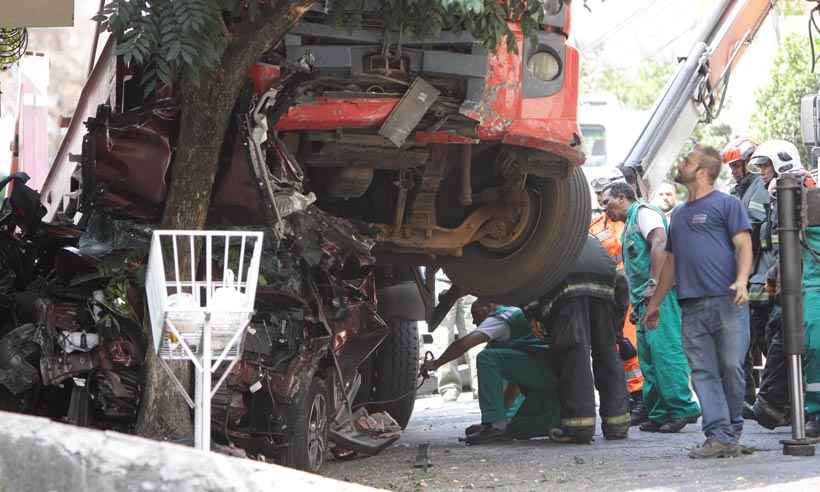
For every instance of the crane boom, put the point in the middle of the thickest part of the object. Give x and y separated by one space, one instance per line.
696 91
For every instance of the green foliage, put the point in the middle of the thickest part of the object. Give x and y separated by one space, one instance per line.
486 20
173 39
715 135
170 39
634 89
777 114
792 7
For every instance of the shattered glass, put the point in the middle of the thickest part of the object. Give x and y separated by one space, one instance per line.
104 234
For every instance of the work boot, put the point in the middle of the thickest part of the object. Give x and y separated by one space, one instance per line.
713 448
612 432
637 410
487 435
615 427
578 435
650 426
769 416
673 426
475 428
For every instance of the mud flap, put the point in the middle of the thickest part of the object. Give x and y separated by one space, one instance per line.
365 434
359 442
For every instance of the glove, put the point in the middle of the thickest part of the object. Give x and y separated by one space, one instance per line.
626 349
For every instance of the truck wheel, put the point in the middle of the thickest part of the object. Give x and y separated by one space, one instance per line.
395 370
307 420
558 216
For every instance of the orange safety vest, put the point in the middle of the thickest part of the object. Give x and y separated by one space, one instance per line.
609 233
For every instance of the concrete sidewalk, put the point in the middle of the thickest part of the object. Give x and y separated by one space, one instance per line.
645 461
38 455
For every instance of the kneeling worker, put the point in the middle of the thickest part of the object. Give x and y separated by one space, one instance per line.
513 356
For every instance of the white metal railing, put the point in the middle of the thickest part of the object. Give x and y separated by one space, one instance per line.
201 287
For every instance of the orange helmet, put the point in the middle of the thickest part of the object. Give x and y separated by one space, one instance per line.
739 149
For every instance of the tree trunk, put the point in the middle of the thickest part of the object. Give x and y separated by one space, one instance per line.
206 110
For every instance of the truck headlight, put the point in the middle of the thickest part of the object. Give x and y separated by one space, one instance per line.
552 7
544 66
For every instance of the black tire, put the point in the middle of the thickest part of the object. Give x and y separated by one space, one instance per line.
395 370
307 420
543 259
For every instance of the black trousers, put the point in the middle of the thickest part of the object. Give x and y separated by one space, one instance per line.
758 345
774 388
580 326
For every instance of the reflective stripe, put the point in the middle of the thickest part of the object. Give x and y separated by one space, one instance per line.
636 373
587 288
758 295
617 420
578 422
813 387
757 207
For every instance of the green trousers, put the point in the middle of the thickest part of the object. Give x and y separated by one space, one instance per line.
811 368
666 391
540 410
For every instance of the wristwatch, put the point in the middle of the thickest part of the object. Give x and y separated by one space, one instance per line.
652 282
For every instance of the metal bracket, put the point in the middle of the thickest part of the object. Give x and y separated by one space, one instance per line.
423 459
409 111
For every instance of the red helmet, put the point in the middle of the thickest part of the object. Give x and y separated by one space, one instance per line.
739 149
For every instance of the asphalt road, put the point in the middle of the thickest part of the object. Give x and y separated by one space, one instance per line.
645 461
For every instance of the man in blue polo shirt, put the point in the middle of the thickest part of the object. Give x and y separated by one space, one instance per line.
709 261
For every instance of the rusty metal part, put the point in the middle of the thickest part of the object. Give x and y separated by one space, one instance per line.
505 234
351 154
423 207
404 185
510 165
409 111
442 240
466 175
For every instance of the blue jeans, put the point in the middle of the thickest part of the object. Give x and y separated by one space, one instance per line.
716 338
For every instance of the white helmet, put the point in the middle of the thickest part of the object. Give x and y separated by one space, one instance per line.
602 183
782 155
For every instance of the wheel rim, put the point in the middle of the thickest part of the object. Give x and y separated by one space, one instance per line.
317 425
525 219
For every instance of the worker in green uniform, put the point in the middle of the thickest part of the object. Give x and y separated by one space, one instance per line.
666 391
513 356
811 321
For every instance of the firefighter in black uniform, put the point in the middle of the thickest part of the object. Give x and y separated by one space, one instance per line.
577 317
